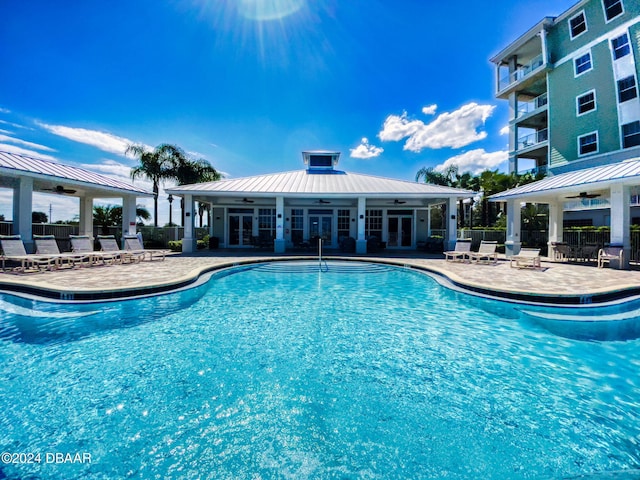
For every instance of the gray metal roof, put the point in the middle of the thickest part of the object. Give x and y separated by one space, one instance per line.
49 174
627 172
308 182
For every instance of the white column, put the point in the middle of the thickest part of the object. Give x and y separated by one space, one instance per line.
555 226
22 208
128 215
451 224
513 243
429 221
280 242
620 213
189 240
85 224
361 241
543 42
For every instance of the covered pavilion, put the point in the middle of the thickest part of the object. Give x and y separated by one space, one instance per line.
26 175
615 182
293 208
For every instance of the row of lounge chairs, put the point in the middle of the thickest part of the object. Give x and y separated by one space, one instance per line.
528 257
48 255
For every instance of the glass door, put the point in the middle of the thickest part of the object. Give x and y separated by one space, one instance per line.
240 229
320 226
399 231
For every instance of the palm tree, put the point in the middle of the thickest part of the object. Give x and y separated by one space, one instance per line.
111 216
156 166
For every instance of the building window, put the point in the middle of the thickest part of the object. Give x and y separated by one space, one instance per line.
266 224
620 46
344 223
631 134
627 89
586 103
297 226
588 143
577 24
612 8
583 64
373 224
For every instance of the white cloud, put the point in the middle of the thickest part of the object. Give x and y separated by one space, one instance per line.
7 138
456 129
6 147
104 141
366 150
504 130
475 161
430 110
4 110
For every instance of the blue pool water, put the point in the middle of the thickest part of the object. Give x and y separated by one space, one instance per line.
279 371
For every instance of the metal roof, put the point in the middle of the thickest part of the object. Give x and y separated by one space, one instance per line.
325 182
627 172
47 174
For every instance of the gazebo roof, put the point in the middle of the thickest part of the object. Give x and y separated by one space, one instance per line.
52 177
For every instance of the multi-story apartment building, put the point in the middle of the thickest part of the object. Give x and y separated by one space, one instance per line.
572 87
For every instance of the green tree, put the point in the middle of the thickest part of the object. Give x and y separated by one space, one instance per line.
39 217
111 216
156 166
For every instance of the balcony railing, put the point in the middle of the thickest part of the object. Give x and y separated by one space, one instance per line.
528 107
587 204
533 139
521 72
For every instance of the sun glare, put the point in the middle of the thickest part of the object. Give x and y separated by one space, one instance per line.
265 10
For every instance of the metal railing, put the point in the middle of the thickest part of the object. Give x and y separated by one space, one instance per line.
533 139
532 105
521 72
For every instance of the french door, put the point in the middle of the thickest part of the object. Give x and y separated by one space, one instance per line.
399 231
240 229
321 226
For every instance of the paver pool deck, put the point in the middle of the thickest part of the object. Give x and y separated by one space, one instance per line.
554 280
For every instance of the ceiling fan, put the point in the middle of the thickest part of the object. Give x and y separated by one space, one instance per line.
323 202
60 190
397 202
245 200
585 195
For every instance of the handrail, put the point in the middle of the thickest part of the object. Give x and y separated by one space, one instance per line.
320 253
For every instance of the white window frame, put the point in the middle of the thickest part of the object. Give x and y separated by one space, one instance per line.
635 88
580 154
575 66
622 136
586 26
613 49
595 103
604 11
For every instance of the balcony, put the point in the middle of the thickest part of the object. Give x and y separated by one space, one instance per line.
520 73
533 139
525 108
587 204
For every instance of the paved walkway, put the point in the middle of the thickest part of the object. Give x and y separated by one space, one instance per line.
554 279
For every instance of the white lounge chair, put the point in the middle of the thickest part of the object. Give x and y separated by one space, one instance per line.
84 244
13 250
528 257
606 254
132 244
47 245
462 248
109 244
486 251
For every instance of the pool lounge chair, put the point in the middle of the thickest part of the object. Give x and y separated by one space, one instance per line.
84 244
528 257
607 254
109 244
486 252
13 250
47 245
132 244
460 252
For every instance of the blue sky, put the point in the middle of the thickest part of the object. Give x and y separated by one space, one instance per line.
249 84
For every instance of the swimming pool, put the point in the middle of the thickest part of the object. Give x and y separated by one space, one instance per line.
279 371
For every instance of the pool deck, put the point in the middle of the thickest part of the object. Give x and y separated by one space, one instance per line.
575 283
